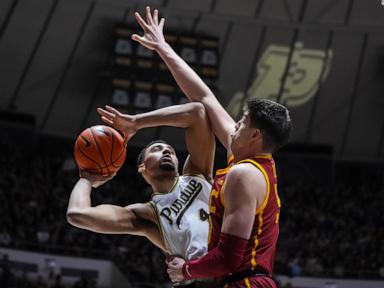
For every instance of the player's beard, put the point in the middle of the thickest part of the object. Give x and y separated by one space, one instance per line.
167 166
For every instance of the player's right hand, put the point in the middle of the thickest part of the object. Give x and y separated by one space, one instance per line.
96 179
153 36
122 122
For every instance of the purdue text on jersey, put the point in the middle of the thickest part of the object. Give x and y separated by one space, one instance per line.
183 201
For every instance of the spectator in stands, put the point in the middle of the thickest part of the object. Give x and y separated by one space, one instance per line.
5 238
7 278
381 272
85 281
23 281
41 283
57 283
295 267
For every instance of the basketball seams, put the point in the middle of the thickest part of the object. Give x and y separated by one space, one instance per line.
119 155
112 163
98 148
117 159
89 158
84 139
113 143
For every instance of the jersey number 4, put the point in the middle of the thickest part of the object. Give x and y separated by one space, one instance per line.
203 215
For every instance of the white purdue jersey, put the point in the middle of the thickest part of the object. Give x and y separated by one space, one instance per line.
183 217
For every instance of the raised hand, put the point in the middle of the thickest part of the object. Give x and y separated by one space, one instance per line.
153 29
122 122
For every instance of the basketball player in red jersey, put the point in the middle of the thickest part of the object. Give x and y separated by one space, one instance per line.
244 203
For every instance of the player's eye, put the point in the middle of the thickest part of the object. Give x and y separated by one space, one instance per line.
156 148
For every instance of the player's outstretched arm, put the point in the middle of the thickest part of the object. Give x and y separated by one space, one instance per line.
245 191
136 219
189 82
191 116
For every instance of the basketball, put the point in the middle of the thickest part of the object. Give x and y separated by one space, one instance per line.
100 149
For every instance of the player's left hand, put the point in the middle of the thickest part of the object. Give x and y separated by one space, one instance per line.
175 269
122 122
153 36
96 180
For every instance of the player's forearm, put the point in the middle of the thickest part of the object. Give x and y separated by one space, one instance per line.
80 196
196 90
223 259
183 116
187 79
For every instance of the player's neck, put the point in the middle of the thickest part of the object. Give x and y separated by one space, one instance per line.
164 185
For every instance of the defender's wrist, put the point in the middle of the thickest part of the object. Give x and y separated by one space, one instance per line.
162 47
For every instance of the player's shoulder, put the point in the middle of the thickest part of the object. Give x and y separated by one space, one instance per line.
245 171
247 178
244 167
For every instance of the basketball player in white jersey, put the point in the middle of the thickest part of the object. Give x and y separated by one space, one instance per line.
176 220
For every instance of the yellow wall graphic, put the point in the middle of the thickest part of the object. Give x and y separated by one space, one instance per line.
308 69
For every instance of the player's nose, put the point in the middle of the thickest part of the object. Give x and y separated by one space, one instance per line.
167 151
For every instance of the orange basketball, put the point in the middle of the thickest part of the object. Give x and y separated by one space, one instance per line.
100 149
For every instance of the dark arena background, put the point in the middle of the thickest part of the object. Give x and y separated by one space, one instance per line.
61 59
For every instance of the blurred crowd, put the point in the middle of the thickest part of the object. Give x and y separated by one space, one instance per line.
326 231
335 230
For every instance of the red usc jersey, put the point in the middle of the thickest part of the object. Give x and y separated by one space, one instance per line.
260 252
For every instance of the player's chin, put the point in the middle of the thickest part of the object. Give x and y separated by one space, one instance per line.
168 166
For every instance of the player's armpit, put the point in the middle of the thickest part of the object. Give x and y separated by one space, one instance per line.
244 191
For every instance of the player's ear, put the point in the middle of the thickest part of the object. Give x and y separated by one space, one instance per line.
256 133
141 168
256 136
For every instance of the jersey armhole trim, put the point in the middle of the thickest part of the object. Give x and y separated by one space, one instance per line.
152 204
201 176
230 159
196 175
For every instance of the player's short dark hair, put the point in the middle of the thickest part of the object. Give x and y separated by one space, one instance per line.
273 120
140 158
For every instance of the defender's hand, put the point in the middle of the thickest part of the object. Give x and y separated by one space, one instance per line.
153 36
123 122
95 179
175 269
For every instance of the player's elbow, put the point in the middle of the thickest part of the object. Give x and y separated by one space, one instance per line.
75 218
197 111
81 220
